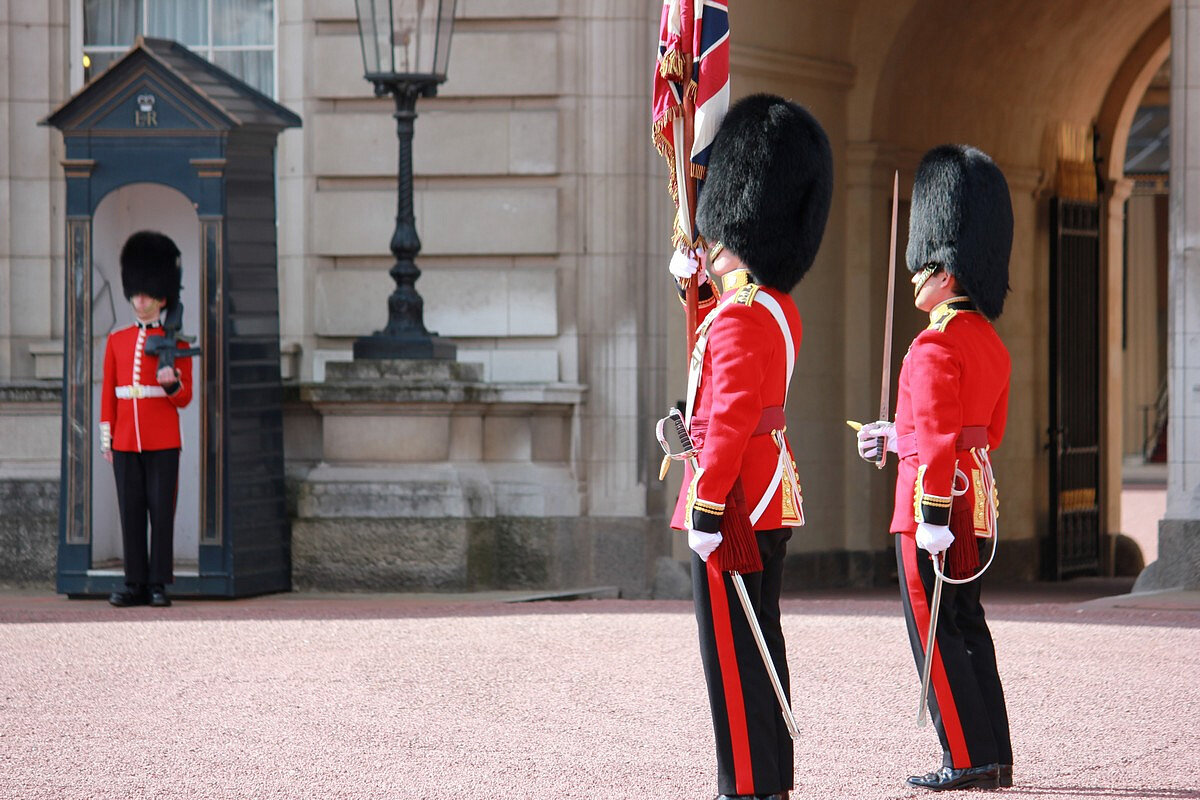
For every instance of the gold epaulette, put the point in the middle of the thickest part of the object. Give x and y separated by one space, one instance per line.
745 295
945 311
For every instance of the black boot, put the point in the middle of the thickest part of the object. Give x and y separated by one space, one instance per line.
158 597
984 777
132 596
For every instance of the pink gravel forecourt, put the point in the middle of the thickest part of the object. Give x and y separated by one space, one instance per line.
469 696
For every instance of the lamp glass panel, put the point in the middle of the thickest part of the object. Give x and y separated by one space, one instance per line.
445 31
407 37
374 29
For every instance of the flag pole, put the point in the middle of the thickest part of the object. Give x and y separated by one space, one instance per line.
684 135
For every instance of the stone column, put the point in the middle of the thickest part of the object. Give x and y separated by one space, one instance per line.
1112 365
622 244
1178 564
867 505
33 37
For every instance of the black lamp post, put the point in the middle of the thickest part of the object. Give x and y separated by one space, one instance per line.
405 47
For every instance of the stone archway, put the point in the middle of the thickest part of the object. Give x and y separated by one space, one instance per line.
1113 123
129 208
1012 79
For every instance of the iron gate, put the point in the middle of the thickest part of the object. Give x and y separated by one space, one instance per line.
1075 387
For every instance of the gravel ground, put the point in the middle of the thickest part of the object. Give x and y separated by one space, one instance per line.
393 696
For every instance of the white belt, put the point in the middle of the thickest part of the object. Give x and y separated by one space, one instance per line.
138 391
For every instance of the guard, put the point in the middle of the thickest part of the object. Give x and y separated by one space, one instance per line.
951 409
139 418
763 210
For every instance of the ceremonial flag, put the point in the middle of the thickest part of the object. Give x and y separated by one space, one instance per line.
691 95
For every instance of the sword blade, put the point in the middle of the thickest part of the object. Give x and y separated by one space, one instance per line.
885 388
785 707
930 644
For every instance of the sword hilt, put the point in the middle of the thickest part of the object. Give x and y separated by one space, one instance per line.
681 430
687 451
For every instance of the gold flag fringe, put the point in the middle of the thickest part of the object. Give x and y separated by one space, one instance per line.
672 64
666 150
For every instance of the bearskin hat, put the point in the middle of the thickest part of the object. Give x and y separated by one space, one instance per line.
961 218
150 265
766 195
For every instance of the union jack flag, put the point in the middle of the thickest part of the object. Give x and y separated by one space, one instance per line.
691 95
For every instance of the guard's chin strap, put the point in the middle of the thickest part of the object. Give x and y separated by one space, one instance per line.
926 274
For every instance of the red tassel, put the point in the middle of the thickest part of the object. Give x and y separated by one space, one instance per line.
962 559
738 550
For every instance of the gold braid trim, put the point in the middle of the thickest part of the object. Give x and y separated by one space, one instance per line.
920 498
736 280
696 504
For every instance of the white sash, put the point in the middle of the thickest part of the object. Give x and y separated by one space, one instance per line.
696 367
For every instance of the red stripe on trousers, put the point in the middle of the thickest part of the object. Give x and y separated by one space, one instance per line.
735 704
951 724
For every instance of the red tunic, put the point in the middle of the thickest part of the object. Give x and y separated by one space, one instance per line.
136 422
745 370
955 376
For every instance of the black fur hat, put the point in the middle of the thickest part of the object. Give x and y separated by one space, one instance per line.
150 265
767 192
961 218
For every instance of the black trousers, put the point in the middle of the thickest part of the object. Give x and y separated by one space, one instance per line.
147 485
754 749
966 700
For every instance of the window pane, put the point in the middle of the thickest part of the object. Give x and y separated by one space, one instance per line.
100 62
252 66
111 22
243 22
182 20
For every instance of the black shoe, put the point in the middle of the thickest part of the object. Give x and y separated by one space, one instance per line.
985 777
129 597
1006 775
782 796
158 597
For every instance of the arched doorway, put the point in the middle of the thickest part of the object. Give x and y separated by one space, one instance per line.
1132 131
1020 81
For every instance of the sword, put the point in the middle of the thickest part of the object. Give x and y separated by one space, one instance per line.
687 451
930 643
885 389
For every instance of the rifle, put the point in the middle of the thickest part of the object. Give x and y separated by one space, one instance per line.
166 347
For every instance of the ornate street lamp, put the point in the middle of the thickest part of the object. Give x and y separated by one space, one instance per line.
405 48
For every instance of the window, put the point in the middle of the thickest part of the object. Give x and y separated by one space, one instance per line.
236 35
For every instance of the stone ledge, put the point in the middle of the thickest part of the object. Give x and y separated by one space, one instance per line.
365 393
433 382
436 490
31 391
454 555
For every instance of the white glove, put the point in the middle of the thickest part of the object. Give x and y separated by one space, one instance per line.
689 264
703 543
933 538
869 436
